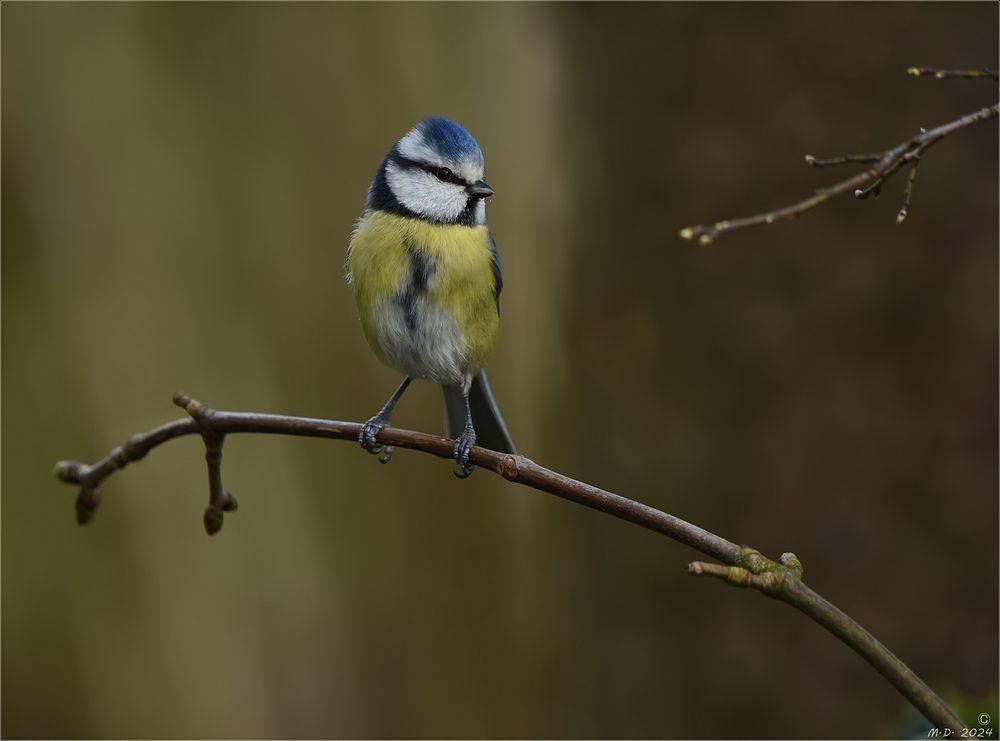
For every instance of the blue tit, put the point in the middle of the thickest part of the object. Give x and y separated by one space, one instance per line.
426 278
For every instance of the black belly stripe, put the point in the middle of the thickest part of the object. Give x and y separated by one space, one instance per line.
420 272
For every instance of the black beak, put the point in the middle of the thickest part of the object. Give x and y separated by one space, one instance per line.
479 190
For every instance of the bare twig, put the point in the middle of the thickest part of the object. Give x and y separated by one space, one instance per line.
907 194
842 159
780 579
868 182
941 74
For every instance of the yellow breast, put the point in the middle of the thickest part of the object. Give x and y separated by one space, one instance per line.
425 294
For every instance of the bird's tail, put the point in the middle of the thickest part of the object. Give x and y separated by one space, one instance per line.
491 432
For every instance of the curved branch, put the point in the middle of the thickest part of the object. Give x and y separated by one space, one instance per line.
868 182
780 579
786 585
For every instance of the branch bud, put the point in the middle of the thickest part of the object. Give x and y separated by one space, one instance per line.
70 472
213 519
791 561
229 503
86 504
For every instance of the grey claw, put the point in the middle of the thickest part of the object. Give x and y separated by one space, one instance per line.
368 432
463 446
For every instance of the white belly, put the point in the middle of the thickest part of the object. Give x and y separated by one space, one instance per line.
420 340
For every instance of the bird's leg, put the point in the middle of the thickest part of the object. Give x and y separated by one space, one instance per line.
372 427
465 441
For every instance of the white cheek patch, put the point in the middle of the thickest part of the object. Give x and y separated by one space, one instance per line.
424 194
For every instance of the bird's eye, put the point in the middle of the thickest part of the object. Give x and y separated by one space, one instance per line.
444 174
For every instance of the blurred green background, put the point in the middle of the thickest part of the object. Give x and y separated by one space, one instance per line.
179 183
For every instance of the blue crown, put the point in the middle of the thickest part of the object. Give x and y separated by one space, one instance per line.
449 138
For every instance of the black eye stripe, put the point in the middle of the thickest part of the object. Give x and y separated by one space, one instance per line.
443 174
409 164
431 169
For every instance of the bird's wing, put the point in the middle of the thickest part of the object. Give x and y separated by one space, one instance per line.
497 270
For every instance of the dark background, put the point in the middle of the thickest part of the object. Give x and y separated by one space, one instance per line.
179 184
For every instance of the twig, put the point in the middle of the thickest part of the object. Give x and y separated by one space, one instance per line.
780 579
941 74
842 160
907 194
867 182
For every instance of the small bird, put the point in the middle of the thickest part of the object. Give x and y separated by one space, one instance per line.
426 278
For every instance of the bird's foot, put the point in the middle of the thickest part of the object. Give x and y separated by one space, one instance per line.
369 430
463 445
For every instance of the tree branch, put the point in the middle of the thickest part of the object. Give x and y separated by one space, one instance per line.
868 182
780 579
783 581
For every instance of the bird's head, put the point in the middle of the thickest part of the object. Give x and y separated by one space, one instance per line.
435 172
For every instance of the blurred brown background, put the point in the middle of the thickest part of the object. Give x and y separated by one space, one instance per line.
179 182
